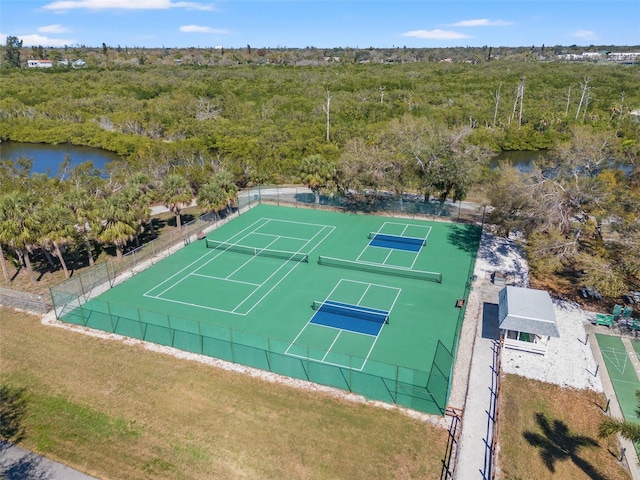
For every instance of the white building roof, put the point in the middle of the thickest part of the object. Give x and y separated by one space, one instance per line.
527 310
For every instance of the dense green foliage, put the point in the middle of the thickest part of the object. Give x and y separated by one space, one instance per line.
262 120
427 128
11 52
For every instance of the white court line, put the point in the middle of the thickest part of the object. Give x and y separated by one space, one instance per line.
340 330
281 236
391 250
260 222
366 359
614 356
216 254
299 223
331 229
366 283
364 293
251 259
197 305
213 277
331 346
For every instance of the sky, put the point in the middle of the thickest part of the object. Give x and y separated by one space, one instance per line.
320 23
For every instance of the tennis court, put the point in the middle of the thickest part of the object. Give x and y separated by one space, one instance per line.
362 303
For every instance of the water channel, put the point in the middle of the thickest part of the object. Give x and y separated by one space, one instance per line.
47 158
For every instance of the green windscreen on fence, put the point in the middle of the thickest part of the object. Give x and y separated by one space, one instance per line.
205 299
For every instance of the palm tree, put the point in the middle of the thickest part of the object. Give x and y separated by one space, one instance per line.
118 223
56 230
629 430
212 198
317 173
145 187
176 193
226 182
85 212
139 206
18 228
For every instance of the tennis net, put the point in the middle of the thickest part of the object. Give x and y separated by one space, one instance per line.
396 238
258 252
356 311
383 269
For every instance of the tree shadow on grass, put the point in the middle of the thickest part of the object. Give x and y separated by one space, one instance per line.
556 443
13 408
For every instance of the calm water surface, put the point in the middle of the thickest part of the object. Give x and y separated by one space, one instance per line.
47 158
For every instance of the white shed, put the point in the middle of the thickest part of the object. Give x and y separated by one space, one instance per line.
526 319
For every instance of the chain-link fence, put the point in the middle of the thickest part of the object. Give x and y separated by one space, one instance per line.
381 203
419 390
23 300
415 389
93 281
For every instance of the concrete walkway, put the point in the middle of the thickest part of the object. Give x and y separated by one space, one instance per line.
474 458
19 464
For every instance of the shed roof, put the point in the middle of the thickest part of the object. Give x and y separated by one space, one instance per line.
527 310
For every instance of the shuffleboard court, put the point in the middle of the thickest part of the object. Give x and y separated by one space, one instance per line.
380 319
623 376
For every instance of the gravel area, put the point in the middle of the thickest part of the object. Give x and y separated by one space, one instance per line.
569 361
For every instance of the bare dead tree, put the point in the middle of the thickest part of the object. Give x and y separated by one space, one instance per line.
381 88
521 93
566 110
496 98
621 105
587 100
518 101
585 87
206 109
327 108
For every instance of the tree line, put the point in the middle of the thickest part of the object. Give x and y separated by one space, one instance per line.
343 129
80 211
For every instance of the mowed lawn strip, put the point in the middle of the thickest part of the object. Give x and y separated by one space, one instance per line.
550 432
119 411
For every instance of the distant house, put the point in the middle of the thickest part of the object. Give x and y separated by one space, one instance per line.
78 63
39 63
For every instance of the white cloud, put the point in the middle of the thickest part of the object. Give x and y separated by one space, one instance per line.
200 29
35 39
586 34
53 29
481 22
125 5
435 34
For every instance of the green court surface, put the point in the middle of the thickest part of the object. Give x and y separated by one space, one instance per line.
257 310
636 347
623 376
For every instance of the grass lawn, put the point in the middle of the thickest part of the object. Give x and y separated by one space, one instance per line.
549 432
119 411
